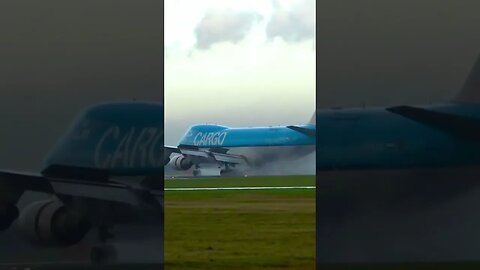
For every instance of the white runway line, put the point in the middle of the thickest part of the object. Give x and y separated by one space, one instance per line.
237 188
34 265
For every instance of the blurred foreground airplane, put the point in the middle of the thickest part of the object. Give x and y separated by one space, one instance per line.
435 137
400 184
217 150
107 170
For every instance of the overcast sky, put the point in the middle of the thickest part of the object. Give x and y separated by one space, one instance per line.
238 63
58 57
378 52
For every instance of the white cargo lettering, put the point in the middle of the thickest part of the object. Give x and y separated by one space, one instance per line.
209 138
111 131
144 144
121 153
124 154
195 140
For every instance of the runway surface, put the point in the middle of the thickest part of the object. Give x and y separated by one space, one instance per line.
133 242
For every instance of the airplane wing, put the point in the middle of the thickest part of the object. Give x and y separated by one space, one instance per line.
463 127
212 155
170 149
113 189
311 132
13 184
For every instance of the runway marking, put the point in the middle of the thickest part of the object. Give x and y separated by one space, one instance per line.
237 188
34 265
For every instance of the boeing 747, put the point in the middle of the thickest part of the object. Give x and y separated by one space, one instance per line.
400 183
107 170
220 150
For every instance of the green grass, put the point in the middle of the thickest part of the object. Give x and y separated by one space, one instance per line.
243 181
245 229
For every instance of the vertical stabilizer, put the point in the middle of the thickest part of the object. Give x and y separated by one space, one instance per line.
470 92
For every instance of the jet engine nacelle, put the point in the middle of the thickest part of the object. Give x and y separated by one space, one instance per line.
51 223
8 213
166 161
181 163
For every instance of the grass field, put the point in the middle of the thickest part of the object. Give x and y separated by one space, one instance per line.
240 229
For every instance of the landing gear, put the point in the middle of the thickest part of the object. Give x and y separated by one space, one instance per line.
225 170
103 253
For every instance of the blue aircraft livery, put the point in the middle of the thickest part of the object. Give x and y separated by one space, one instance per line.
400 184
123 137
227 148
432 136
106 171
211 136
389 139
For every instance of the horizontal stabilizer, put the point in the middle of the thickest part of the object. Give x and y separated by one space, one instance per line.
459 126
307 131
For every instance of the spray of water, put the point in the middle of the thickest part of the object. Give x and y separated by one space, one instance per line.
302 166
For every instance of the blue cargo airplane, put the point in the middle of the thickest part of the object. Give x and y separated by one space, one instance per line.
223 150
107 170
403 137
400 183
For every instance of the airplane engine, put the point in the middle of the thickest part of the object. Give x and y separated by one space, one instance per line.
166 161
8 213
166 157
181 163
51 223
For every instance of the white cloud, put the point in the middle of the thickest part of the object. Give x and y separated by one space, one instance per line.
182 17
242 79
293 24
224 25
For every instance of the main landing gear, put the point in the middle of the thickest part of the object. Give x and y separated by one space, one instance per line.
103 253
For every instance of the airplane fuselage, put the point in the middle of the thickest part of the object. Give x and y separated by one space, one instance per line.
374 138
105 137
259 145
214 136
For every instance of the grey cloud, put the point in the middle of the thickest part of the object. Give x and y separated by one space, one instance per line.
295 25
226 25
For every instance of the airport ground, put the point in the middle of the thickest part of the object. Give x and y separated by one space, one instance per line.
222 229
240 229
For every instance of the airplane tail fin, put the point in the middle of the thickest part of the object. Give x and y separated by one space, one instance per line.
470 92
122 138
